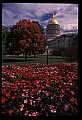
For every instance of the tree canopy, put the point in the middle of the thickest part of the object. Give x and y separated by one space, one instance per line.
4 41
26 37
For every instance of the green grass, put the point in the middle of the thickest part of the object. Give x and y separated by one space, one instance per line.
20 60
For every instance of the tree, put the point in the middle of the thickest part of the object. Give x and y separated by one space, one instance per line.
41 28
4 41
26 37
71 53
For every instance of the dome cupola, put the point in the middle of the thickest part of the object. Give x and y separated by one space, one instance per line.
53 20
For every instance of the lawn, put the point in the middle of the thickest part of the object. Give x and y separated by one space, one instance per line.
20 60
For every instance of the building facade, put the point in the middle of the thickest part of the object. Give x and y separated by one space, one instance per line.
53 28
54 39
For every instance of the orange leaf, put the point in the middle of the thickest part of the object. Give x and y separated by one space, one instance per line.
7 94
10 111
3 100
72 99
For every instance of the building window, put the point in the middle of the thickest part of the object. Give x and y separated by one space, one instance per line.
56 31
51 31
69 45
69 40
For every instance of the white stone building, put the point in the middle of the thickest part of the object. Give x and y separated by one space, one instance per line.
54 39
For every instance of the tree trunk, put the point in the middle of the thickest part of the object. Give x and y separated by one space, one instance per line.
25 56
34 55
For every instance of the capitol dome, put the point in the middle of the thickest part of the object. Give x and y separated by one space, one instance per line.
53 20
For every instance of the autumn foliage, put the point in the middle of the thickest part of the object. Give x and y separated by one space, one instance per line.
26 37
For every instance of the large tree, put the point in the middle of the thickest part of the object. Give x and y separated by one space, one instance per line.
4 41
26 37
71 53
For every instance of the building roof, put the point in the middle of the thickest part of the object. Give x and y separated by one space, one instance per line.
53 20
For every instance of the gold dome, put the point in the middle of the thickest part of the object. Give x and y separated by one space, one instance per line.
53 20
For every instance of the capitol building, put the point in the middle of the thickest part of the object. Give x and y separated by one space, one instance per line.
56 40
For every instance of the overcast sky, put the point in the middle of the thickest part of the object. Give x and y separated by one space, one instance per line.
66 14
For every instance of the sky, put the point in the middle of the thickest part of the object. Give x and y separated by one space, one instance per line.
66 14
